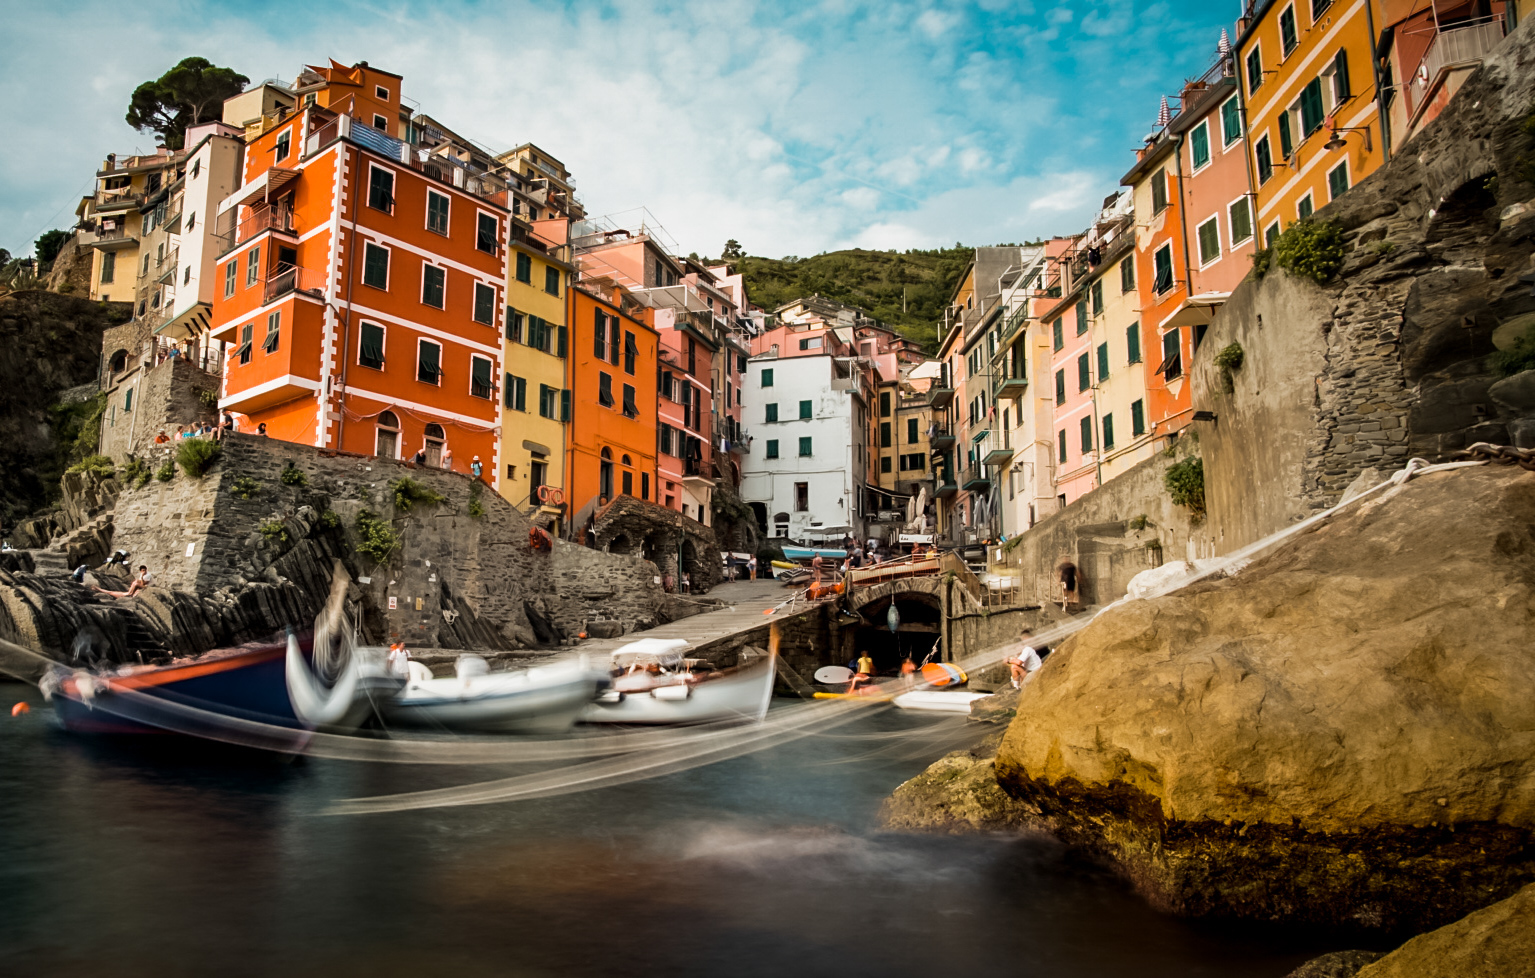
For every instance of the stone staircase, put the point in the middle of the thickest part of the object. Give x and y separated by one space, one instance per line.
50 563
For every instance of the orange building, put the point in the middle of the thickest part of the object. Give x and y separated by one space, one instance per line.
362 297
612 399
367 94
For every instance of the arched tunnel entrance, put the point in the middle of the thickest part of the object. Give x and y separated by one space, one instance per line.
918 625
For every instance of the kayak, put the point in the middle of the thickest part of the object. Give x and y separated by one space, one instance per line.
938 701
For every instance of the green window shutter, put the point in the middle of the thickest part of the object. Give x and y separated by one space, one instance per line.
1311 111
805 409
562 339
375 266
1103 361
1137 417
1254 70
552 280
1098 297
1058 334
484 304
804 447
1241 222
1286 141
1060 386
1231 121
433 283
770 412
772 448
1087 434
1199 144
1060 441
1133 342
1209 241
1340 84
1164 267
884 434
1081 317
1265 160
911 431
1108 432
564 405
524 268
1337 181
1084 373
767 377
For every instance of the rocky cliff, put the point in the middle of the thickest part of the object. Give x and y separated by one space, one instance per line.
1341 732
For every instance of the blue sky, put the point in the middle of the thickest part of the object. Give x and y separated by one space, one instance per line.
794 127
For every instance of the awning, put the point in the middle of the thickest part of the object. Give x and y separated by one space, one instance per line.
1197 310
261 189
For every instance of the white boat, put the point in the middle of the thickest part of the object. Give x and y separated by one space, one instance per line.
543 699
938 700
653 683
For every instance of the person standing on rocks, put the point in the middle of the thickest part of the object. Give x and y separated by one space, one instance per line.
475 468
815 567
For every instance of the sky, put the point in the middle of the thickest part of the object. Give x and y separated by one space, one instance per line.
795 128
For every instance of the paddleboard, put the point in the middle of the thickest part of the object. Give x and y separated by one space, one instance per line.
833 675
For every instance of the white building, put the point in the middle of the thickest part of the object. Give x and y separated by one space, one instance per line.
809 458
1022 447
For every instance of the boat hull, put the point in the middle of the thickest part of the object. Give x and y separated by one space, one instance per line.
739 694
809 553
543 700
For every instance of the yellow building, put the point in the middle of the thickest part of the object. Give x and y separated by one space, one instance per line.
1117 342
533 438
1312 103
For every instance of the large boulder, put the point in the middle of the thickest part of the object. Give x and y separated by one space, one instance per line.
1495 942
1342 732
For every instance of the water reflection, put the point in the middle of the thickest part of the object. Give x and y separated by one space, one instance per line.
173 857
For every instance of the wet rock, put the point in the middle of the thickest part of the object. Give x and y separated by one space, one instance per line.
1338 964
1495 942
958 793
999 707
1340 733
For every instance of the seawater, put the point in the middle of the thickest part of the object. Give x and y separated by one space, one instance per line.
165 856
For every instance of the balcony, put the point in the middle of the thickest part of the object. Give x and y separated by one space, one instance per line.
165 267
695 472
1013 387
975 479
940 395
1464 45
114 239
124 199
940 436
292 278
946 488
998 457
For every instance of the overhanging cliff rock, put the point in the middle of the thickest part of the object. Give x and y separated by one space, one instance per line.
1340 733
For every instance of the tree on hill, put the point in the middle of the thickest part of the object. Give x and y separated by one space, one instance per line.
192 92
732 251
47 247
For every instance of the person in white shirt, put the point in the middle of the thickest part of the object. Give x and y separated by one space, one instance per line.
1024 664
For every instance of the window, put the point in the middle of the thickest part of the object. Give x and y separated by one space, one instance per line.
484 304
1137 417
1172 356
197 168
669 440
605 389
1341 90
884 463
1081 318
1087 434
1108 432
813 343
437 212
128 399
381 123
1199 145
513 325
1231 121
1209 235
631 409
551 280
252 266
613 351
1103 362
1254 69
916 462
1241 221
1312 112
524 269
386 441
884 404
600 335
284 145
485 233
549 402
1287 34
631 354
1286 140
1058 334
801 497
1060 386
911 431
884 434
1159 192
1163 263
428 362
370 351
1305 208
1271 235
381 92
804 448
1318 8
1097 294
1133 343
479 377
772 448
538 333
1265 157
243 351
109 271
375 266
1127 275
1084 373
1337 180
804 410
380 188
273 331
434 283
515 393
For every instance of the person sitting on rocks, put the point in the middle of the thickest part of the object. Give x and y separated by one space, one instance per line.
162 437
1023 664
142 581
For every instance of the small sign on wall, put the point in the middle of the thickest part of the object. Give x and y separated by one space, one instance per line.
365 580
418 604
394 603
191 548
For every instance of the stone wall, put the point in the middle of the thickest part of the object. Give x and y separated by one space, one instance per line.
673 542
166 396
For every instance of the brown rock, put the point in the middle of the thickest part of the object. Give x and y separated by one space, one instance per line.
1342 732
1495 942
958 793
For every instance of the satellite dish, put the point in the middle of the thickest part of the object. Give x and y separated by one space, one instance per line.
833 675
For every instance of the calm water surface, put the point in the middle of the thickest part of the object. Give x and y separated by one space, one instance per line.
170 857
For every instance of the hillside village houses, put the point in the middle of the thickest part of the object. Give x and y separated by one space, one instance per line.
330 262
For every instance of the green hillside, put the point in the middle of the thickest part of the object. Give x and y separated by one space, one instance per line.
875 281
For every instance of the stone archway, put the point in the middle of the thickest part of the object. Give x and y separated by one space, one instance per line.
621 544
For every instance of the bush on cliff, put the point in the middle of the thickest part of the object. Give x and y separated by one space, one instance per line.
378 538
1310 249
1185 483
196 456
99 464
408 492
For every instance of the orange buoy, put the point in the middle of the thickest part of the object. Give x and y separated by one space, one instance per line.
580 635
20 708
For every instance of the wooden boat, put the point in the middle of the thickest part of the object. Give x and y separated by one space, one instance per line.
809 553
543 699
653 683
938 700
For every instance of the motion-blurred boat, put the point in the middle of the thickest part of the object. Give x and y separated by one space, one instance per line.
653 683
938 700
809 553
543 699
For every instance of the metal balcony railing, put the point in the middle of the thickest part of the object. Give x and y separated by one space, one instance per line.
292 278
1464 44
